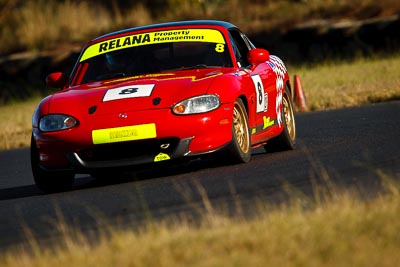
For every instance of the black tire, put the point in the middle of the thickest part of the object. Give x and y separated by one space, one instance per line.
287 139
49 181
240 147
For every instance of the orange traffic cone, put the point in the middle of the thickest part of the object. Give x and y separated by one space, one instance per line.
299 96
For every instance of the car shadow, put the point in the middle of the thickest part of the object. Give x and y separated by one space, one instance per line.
85 181
19 192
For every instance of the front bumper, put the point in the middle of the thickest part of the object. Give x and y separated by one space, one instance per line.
80 161
177 137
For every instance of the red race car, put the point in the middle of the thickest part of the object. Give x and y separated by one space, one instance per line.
159 93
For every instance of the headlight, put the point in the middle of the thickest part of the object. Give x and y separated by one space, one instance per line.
197 104
56 122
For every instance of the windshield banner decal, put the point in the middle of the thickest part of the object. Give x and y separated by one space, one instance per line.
183 35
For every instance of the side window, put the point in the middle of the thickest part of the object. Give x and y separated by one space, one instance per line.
240 47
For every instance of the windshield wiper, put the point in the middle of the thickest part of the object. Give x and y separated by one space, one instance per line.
198 66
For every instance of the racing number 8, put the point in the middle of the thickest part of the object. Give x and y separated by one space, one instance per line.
128 91
219 48
260 93
261 96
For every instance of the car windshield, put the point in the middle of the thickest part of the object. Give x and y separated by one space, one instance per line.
154 52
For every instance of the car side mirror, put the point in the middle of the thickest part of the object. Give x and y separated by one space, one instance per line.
257 56
56 80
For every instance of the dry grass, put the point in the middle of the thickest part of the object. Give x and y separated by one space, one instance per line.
281 15
341 231
58 22
17 119
47 24
342 84
38 25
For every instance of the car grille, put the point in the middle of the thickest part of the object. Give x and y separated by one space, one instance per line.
126 150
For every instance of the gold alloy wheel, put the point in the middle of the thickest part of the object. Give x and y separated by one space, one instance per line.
289 118
240 128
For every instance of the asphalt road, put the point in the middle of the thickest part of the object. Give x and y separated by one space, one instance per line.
350 147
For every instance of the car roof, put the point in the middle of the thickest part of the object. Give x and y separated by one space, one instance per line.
219 23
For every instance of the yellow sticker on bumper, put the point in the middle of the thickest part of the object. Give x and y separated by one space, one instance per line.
121 134
161 157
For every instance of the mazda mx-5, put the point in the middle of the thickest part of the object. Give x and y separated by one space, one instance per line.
159 93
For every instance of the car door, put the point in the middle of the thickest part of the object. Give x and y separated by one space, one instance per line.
260 78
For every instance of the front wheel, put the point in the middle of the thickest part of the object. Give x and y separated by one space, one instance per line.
286 140
49 181
240 147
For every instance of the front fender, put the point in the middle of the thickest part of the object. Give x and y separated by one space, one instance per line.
229 87
41 109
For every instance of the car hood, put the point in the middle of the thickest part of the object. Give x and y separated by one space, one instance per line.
153 91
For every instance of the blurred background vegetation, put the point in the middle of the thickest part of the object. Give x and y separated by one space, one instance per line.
48 24
42 36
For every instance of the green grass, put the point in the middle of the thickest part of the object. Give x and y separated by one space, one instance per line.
341 231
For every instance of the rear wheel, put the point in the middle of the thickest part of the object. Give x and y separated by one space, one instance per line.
49 181
240 147
287 139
